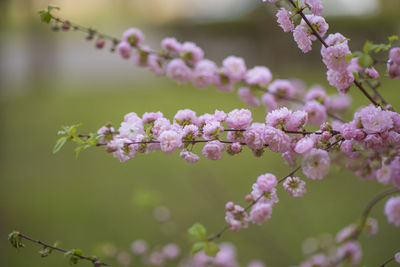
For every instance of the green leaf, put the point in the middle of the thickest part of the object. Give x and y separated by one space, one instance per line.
349 57
45 14
51 7
59 144
211 249
392 39
365 61
355 74
197 247
367 47
15 240
198 231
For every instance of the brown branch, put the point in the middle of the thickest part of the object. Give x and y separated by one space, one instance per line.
358 84
369 207
94 260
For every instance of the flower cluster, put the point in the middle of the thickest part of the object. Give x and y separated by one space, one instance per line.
335 50
372 143
185 62
263 197
225 257
283 132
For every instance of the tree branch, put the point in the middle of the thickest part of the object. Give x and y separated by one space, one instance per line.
92 259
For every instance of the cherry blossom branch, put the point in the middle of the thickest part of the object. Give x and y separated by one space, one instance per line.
66 25
226 227
359 85
369 207
387 261
376 92
15 239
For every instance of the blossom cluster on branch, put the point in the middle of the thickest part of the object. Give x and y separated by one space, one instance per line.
368 145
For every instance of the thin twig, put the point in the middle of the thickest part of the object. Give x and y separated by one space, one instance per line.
226 227
94 260
369 207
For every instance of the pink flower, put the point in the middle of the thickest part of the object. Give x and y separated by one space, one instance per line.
121 148
353 65
339 102
269 101
394 55
315 93
335 38
236 218
239 119
213 150
267 182
393 70
124 50
334 57
318 23
259 75
139 247
303 38
282 88
319 260
204 73
392 210
247 97
156 258
316 113
371 228
191 53
315 6
141 56
397 257
132 127
160 125
178 71
171 45
189 156
304 145
133 36
315 164
185 117
277 140
278 117
294 186
169 141
297 120
234 148
149 117
284 20
260 213
223 83
374 119
346 233
256 263
190 132
156 64
171 251
372 73
234 68
341 80
254 136
351 251
212 130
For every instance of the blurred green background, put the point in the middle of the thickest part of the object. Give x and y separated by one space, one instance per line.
50 79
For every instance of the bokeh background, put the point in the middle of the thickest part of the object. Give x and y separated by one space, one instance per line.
50 79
